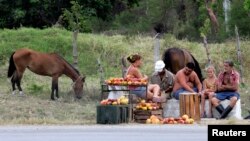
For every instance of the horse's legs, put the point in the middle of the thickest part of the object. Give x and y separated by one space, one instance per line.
18 77
54 87
52 91
18 82
13 82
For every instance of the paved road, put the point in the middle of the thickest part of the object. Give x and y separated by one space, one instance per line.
104 133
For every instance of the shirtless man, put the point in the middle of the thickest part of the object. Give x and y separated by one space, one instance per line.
186 80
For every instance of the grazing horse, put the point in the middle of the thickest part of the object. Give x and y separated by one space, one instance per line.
176 59
50 64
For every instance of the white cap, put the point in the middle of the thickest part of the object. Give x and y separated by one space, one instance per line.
159 66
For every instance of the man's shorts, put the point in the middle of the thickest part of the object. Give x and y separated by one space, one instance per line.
179 91
226 95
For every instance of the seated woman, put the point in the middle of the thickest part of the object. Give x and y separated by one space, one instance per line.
153 90
209 88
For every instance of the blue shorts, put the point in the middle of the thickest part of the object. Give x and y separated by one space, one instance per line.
226 95
182 90
139 91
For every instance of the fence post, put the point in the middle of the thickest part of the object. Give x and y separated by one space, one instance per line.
75 52
207 51
124 67
100 70
157 47
239 57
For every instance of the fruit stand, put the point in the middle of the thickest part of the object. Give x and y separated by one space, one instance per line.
145 109
118 85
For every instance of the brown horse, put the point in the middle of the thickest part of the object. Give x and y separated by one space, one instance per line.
44 64
176 59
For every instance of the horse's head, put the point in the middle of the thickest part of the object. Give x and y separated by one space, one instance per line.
78 87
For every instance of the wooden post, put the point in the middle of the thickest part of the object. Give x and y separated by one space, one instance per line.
207 51
101 72
239 57
124 67
157 47
75 52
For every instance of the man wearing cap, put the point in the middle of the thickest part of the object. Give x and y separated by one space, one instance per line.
186 80
162 77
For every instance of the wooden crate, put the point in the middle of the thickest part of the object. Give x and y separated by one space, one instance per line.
140 116
190 105
112 114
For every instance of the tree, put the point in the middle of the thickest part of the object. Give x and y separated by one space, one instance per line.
31 13
77 21
240 18
247 5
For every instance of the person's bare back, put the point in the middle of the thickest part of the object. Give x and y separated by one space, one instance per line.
184 81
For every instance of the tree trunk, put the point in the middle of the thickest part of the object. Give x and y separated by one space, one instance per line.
124 67
100 70
239 57
157 47
212 17
75 52
207 51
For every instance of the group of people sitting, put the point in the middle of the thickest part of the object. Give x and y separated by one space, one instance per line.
214 88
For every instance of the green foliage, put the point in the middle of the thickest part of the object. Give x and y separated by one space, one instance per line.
34 13
240 18
76 18
205 30
247 5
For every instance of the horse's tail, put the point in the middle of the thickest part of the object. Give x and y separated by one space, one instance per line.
12 67
197 69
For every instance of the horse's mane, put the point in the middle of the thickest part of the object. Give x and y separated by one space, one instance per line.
197 69
60 57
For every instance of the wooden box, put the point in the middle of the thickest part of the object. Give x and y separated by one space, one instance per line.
112 114
141 116
190 105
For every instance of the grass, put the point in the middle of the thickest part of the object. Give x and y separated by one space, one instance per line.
37 108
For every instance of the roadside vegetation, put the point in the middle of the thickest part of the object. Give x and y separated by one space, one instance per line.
37 108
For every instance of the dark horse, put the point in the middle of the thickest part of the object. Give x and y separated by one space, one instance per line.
176 59
44 64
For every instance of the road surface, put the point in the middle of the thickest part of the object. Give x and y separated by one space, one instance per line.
121 132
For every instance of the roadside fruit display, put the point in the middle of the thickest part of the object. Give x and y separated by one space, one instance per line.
143 105
184 119
128 80
154 120
120 101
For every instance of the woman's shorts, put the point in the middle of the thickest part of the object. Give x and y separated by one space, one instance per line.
139 91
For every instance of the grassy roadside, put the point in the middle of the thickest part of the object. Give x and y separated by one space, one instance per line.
37 108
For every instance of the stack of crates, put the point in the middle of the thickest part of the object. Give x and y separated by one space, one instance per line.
112 114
